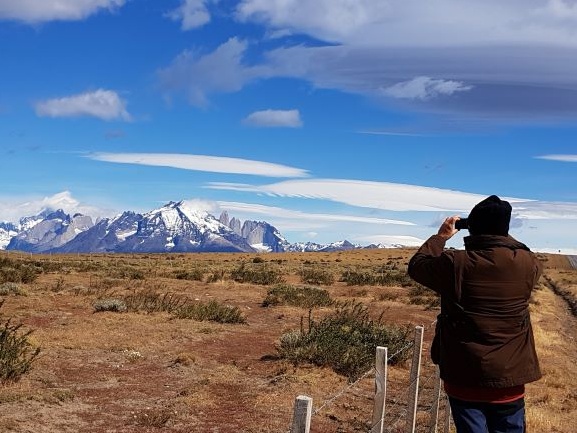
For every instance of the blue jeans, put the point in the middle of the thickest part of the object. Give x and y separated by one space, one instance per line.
472 417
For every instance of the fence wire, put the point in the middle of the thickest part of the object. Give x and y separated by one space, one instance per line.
397 407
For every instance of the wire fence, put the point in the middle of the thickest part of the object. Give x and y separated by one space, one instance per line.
412 405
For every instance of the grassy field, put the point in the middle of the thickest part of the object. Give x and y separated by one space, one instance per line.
216 342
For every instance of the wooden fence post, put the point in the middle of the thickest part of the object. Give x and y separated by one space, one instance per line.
380 390
302 415
447 416
436 398
414 384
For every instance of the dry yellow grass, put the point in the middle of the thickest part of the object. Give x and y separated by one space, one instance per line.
137 372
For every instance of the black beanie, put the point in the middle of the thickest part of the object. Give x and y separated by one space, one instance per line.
490 217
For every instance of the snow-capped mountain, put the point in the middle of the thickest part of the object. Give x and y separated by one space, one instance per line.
7 232
259 234
48 231
174 227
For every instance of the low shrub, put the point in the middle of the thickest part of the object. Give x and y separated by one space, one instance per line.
189 274
110 304
306 297
345 341
421 295
257 274
10 288
216 276
377 277
317 276
182 307
212 311
13 271
151 301
16 352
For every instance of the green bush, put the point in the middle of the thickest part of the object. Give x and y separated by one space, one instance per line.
306 297
345 341
16 352
317 276
258 273
212 311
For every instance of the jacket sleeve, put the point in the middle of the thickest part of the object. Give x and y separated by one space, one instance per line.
432 267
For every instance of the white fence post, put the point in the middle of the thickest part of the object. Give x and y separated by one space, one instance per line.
380 390
447 416
414 384
302 415
436 398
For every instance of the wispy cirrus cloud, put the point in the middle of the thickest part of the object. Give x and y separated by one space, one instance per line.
366 194
37 11
214 164
314 218
102 104
387 196
562 158
423 88
275 119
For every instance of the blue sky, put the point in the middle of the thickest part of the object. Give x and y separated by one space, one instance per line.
366 120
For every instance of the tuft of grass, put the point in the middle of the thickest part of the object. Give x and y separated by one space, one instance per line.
190 274
110 304
316 275
382 276
151 301
182 307
345 341
421 295
10 288
156 418
257 273
14 271
211 311
16 352
306 297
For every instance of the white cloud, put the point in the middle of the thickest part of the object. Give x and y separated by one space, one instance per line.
275 118
367 194
103 104
401 197
36 11
542 210
328 19
192 14
222 70
14 208
499 82
562 158
424 88
310 218
408 241
214 164
411 23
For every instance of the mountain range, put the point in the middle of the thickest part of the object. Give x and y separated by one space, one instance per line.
175 227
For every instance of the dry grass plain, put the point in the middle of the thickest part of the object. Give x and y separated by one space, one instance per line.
137 372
